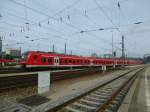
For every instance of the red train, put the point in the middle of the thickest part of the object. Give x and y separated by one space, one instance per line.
6 60
33 59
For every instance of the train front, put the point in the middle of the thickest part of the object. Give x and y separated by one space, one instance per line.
24 60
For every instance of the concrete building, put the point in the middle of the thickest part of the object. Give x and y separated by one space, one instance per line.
13 52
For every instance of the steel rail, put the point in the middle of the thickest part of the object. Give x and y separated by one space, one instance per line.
8 82
100 98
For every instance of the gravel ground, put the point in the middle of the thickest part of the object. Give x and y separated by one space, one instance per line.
11 97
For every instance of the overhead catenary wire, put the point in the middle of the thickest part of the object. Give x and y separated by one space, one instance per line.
42 13
31 35
108 18
68 24
76 24
56 36
73 27
44 27
67 7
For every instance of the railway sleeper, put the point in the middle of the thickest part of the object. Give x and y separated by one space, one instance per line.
113 106
81 107
69 109
104 94
102 97
105 89
90 102
101 93
94 104
96 99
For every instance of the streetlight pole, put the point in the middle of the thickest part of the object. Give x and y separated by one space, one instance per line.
65 48
123 52
112 45
53 49
1 47
71 52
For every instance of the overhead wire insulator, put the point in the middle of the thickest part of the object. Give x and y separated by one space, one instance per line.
68 16
48 21
27 37
39 24
1 16
27 25
23 29
118 5
10 34
82 31
61 19
85 13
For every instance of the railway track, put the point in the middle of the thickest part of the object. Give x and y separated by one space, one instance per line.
31 79
104 98
21 70
11 70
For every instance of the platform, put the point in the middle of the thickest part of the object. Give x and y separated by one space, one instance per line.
138 98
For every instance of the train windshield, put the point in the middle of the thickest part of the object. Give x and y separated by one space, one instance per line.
24 55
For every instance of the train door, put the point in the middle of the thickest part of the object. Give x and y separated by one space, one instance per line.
56 62
91 62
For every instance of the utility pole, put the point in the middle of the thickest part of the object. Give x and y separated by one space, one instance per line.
53 49
65 48
1 47
71 52
112 45
123 51
20 51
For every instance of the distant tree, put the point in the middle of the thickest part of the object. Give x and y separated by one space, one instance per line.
7 56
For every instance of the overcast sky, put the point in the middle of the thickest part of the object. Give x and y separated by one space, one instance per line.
38 24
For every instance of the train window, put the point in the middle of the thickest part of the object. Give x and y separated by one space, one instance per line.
49 60
86 61
60 61
66 61
74 61
35 56
43 60
70 61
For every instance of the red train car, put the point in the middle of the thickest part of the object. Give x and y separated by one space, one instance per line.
6 60
41 59
34 59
